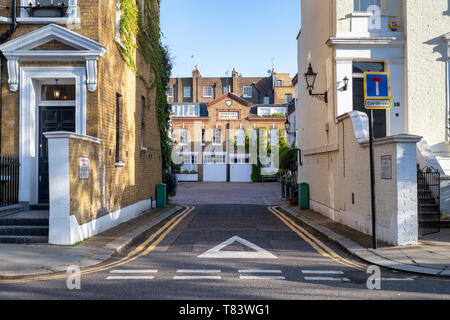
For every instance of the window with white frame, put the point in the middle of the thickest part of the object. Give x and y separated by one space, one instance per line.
170 92
185 110
207 92
240 137
187 92
287 98
189 157
279 83
118 20
69 12
217 136
225 89
274 137
214 157
248 91
184 137
363 5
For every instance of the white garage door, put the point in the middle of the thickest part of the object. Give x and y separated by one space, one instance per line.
214 167
241 172
240 169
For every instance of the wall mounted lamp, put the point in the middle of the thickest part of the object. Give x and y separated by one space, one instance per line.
310 77
345 83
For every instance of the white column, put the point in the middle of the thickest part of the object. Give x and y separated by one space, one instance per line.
407 224
59 188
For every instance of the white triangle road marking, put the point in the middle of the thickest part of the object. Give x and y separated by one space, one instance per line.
257 253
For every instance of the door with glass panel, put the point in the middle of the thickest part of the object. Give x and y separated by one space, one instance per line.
56 113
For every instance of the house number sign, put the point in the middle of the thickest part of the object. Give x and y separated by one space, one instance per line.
84 168
386 167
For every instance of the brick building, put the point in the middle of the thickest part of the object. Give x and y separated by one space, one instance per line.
276 88
82 124
210 137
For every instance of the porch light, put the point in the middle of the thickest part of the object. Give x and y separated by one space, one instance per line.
310 77
345 83
56 91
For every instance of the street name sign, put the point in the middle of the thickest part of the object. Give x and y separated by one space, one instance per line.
377 90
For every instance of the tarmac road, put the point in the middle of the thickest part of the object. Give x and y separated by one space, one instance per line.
230 252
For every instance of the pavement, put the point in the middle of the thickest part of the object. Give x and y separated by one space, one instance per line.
431 255
17 261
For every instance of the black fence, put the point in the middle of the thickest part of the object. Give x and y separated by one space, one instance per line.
428 195
9 180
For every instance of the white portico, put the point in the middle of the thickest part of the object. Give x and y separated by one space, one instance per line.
32 82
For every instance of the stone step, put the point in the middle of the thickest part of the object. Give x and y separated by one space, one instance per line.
24 231
23 239
23 222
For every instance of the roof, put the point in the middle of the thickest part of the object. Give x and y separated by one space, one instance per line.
231 96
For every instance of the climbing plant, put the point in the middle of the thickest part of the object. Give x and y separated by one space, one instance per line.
140 31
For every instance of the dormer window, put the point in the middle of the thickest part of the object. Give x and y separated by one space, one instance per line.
48 11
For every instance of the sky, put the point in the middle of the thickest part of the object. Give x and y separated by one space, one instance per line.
222 34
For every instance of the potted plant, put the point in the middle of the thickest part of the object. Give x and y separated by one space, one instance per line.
47 10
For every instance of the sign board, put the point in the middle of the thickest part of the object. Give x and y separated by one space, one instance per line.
377 90
229 115
386 167
84 168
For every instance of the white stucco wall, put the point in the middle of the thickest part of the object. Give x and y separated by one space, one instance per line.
427 75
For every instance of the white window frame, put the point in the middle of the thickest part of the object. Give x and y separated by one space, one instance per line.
224 89
184 92
118 20
205 93
185 134
286 95
355 9
240 137
279 83
72 14
215 135
266 100
244 94
170 92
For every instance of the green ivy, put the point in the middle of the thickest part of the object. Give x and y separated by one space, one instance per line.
140 31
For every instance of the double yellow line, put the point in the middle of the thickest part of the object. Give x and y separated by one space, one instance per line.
143 249
318 245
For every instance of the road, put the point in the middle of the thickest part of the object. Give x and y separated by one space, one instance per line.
230 252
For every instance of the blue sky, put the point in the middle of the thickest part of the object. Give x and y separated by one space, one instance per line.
245 34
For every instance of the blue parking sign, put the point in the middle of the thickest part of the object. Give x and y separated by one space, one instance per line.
377 90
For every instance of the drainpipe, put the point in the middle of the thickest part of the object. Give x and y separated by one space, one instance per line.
3 38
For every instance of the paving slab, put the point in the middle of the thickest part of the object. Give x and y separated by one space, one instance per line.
17 261
430 256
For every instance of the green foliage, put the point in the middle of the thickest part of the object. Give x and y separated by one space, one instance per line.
140 31
256 172
288 159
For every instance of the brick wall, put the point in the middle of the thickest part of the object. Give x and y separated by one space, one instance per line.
136 179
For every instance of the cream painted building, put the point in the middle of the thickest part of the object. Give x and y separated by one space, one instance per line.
352 38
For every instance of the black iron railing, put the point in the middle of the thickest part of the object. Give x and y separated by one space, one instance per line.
9 180
428 196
